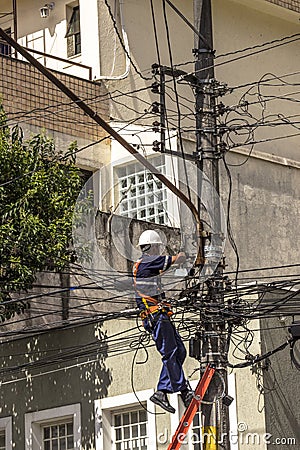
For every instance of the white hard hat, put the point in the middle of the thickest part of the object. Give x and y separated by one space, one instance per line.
149 237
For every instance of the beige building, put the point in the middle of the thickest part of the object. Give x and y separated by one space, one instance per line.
104 50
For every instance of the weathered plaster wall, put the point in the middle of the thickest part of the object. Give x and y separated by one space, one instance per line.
64 382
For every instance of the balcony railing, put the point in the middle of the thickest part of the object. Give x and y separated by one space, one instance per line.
6 22
57 58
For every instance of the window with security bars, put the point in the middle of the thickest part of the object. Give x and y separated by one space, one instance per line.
2 440
58 436
140 194
130 430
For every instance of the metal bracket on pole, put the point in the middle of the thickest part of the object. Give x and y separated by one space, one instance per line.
192 409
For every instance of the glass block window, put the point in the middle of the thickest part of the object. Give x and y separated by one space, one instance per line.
2 440
130 430
196 432
140 194
58 437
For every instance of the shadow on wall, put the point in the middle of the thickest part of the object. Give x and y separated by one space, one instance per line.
51 370
280 382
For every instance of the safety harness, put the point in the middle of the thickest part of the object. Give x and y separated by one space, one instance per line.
158 306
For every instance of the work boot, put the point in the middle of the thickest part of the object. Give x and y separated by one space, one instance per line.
187 396
161 399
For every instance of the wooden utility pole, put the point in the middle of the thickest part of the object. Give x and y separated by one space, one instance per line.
215 416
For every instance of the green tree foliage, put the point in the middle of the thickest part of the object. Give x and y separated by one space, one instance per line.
38 191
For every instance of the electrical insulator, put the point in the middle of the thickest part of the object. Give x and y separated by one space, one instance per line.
156 126
155 69
156 146
228 284
220 109
155 87
155 107
220 89
222 147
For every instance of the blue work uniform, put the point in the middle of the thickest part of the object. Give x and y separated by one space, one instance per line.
167 340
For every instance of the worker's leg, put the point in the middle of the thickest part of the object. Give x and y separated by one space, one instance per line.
171 348
181 350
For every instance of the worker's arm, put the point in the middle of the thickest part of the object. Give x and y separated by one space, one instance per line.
180 258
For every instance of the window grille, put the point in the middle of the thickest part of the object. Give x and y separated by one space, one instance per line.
140 194
58 436
130 430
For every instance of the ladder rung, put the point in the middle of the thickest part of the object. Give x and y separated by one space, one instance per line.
192 409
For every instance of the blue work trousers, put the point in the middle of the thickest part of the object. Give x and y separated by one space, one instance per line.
170 346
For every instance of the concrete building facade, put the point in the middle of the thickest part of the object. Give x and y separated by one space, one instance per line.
70 385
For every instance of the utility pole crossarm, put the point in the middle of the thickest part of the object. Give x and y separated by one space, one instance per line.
93 115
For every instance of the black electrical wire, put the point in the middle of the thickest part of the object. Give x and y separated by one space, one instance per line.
257 359
155 32
122 43
273 77
176 96
297 35
144 337
234 52
255 269
63 157
229 230
265 140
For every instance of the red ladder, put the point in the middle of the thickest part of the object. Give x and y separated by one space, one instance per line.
192 409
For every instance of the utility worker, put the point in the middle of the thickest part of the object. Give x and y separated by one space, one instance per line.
155 313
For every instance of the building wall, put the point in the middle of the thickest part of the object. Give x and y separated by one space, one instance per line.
80 384
236 25
280 376
265 194
69 365
73 380
33 102
239 25
248 401
135 19
48 34
263 212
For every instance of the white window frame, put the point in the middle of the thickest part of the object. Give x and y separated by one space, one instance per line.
120 157
103 416
6 426
155 191
35 420
70 10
